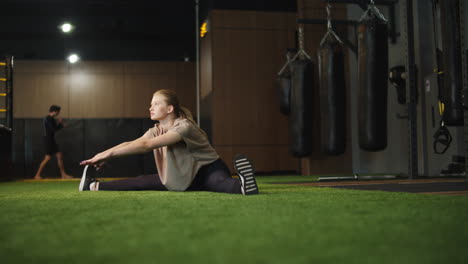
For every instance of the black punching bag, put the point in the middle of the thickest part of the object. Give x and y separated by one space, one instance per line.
373 86
300 117
451 92
283 86
332 97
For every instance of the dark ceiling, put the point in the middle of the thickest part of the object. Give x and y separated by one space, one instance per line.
111 30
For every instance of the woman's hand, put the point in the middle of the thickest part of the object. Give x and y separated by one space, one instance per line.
97 161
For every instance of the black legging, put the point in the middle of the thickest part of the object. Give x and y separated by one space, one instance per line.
214 177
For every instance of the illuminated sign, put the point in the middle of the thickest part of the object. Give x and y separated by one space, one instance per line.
203 29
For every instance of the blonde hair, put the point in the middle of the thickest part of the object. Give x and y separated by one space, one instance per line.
172 99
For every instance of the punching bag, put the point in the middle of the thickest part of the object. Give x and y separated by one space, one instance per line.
283 87
283 84
373 78
332 97
451 91
300 117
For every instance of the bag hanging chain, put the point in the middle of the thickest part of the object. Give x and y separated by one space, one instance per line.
288 60
301 52
301 37
329 24
330 28
374 10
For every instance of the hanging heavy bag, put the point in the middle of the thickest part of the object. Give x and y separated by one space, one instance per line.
300 117
373 77
283 85
451 92
332 97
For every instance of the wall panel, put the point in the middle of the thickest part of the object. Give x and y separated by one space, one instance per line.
252 20
41 66
138 91
98 89
266 159
185 86
43 90
96 95
206 85
247 50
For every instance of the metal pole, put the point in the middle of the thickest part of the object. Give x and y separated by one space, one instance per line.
197 45
411 84
9 92
465 81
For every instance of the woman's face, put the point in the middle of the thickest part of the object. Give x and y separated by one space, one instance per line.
159 108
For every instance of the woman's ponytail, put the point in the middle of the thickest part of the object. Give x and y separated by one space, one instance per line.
184 112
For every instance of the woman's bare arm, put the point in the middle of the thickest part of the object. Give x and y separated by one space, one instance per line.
138 146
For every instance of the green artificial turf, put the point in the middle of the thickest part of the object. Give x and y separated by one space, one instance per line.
51 222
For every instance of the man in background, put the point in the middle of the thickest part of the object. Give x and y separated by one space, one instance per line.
50 125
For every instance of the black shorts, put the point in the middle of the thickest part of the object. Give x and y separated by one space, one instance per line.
51 147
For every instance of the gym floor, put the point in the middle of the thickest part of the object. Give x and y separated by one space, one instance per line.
441 186
295 219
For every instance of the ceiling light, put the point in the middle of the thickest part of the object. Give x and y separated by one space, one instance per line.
66 27
73 58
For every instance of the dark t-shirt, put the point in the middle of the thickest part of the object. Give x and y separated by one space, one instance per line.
50 126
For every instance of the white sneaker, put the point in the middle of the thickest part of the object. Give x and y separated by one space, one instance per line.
245 170
86 180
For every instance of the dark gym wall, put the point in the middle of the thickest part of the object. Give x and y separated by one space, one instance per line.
97 89
82 138
432 164
319 163
103 104
240 57
394 159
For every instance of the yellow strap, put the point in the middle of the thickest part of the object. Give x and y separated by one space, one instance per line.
3 94
3 110
441 108
3 79
438 71
2 63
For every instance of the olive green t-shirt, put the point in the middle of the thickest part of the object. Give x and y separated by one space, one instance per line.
178 164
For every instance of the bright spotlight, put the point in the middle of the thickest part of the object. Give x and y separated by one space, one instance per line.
73 58
66 27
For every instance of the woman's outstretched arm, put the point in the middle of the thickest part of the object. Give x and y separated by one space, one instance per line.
137 146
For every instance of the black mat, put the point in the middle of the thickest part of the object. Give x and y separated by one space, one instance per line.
410 187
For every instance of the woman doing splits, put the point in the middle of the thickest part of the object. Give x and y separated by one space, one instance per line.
184 158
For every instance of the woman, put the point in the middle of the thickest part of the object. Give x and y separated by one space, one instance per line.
184 158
